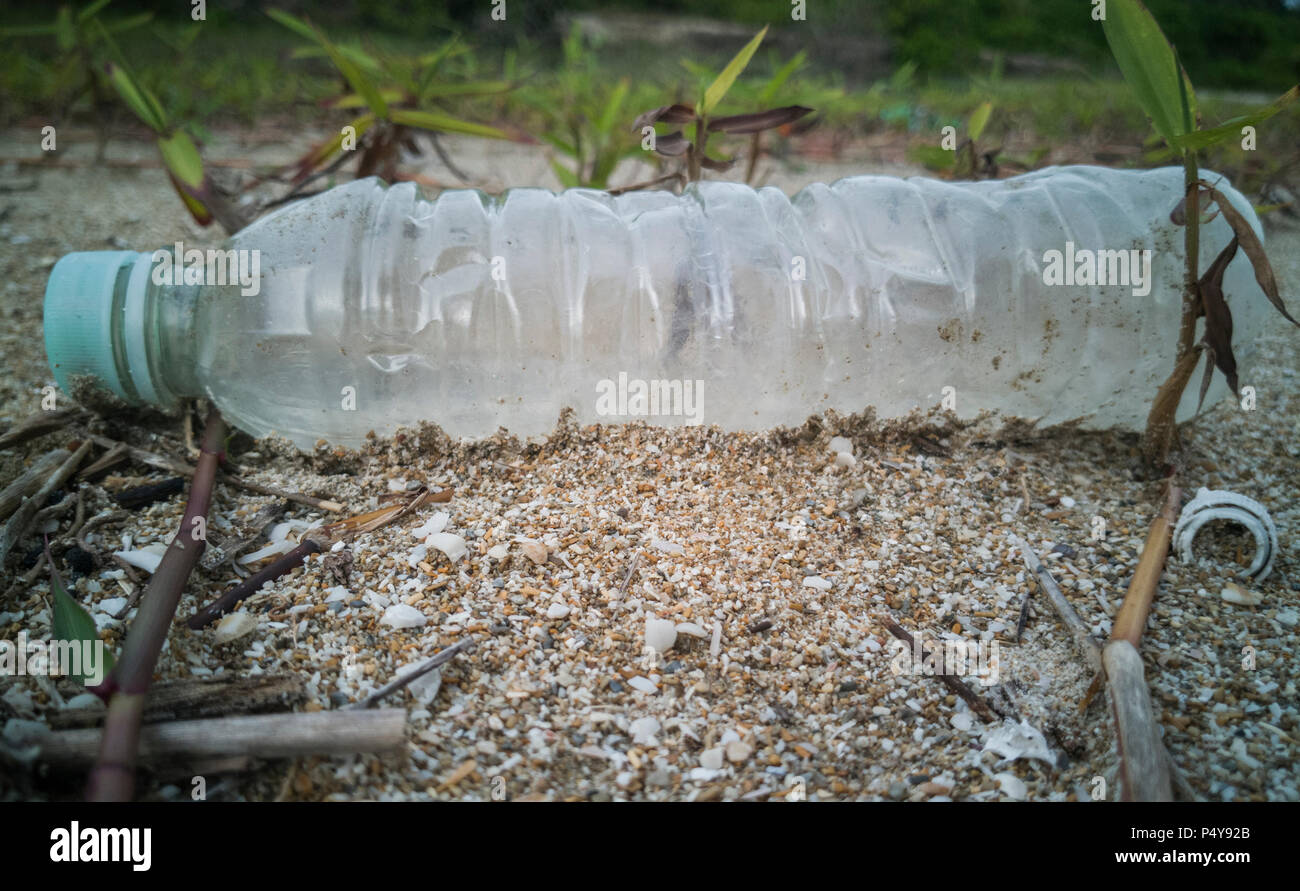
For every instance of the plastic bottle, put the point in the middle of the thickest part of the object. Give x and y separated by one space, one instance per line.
375 308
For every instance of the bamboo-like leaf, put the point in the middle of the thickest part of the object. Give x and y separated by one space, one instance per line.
718 89
781 76
467 88
137 97
758 121
567 177
128 23
436 120
1149 65
1254 249
1231 128
87 11
342 60
612 107
190 197
355 100
331 147
70 621
979 119
182 158
65 33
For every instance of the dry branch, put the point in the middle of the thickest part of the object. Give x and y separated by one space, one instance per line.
258 736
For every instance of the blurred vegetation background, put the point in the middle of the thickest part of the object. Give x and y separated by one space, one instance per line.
901 67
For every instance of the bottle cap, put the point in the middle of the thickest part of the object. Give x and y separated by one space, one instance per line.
94 322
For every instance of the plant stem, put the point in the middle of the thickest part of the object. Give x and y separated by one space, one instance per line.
1161 431
113 777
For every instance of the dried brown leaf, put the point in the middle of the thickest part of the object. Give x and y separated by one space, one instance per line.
672 145
758 121
1218 318
665 114
1254 249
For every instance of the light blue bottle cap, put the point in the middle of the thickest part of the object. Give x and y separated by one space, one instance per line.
94 322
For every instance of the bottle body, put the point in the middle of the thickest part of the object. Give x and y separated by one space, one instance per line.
743 308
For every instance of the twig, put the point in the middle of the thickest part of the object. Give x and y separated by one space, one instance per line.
1083 641
113 776
283 564
95 522
1143 761
627 579
636 187
144 456
39 424
952 682
296 497
441 658
17 524
343 732
314 542
1132 616
445 158
29 481
187 699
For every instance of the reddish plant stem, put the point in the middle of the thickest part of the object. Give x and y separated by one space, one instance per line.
113 776
249 586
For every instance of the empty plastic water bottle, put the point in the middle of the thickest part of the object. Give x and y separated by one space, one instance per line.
373 308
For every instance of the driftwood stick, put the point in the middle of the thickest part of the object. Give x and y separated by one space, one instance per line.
29 481
1143 762
345 732
297 497
39 424
1083 641
952 682
1132 616
192 698
17 524
441 658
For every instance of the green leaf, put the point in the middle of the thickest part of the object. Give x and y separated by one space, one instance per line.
90 10
1147 61
780 77
128 23
28 31
979 119
718 89
612 107
71 622
327 150
182 158
466 88
436 120
64 32
933 157
344 61
567 177
352 100
1231 128
138 98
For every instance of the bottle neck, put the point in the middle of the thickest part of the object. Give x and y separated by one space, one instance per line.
154 334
